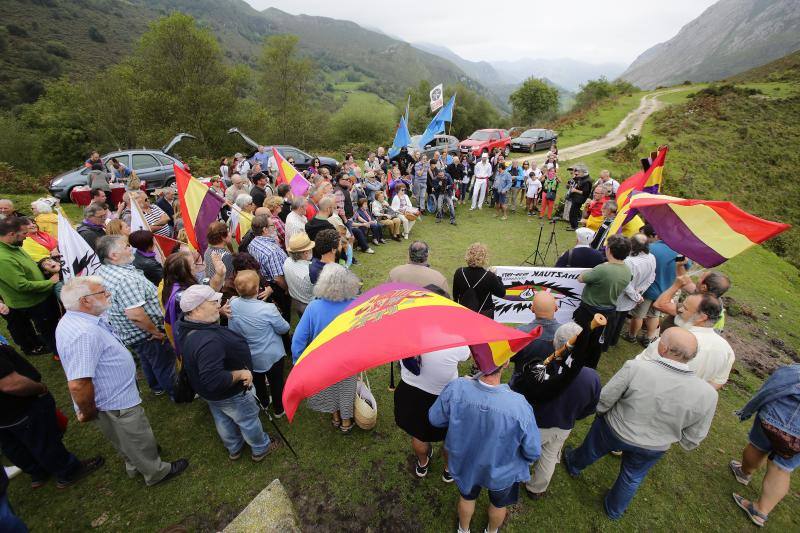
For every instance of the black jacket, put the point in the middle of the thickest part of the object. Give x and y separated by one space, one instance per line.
167 208
315 225
150 267
210 353
585 185
259 195
90 234
456 172
491 284
580 257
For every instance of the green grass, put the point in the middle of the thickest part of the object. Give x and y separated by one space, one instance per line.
364 481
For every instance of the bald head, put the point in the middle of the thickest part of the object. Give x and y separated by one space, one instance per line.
677 344
544 305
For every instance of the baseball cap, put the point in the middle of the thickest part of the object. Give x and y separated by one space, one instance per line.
584 236
196 295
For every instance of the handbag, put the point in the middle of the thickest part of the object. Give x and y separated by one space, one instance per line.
551 195
366 408
182 389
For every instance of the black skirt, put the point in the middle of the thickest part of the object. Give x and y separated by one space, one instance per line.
411 407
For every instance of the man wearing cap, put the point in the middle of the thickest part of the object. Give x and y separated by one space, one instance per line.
101 377
582 255
296 271
217 361
482 172
243 167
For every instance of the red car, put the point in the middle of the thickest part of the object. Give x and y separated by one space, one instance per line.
486 141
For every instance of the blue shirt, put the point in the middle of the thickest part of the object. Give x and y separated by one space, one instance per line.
777 402
492 436
316 317
503 182
262 159
88 348
665 270
262 325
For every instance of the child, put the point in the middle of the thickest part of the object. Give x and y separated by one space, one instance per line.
50 266
533 186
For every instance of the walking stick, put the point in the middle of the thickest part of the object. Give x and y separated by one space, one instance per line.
539 369
275 425
391 376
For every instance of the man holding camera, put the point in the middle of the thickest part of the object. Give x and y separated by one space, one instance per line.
443 189
578 193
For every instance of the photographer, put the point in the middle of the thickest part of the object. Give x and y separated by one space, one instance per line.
578 194
443 191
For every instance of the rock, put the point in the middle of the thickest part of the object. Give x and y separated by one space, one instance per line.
100 520
270 511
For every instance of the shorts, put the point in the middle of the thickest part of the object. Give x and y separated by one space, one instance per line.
498 498
760 440
645 309
499 197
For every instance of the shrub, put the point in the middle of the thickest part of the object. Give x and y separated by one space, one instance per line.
57 49
16 182
95 35
17 31
626 151
367 123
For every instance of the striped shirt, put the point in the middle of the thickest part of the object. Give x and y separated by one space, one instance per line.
88 348
270 256
153 215
129 290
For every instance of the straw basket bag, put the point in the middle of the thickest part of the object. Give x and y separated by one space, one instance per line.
366 408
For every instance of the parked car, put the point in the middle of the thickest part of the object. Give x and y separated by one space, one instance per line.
534 139
155 167
486 141
444 144
302 160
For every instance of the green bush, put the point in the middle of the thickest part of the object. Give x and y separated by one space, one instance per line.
12 181
367 123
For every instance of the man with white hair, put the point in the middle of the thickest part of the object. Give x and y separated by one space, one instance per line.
296 219
7 209
482 173
101 377
135 312
582 255
239 185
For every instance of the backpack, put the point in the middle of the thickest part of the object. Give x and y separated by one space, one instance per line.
469 298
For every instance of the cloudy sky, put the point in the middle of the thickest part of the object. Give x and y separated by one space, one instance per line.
587 30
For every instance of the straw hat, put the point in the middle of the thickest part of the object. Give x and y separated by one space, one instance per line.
299 243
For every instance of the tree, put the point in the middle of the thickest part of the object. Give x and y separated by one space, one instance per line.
286 83
534 100
472 111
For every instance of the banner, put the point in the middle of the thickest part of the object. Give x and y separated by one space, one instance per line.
78 258
437 97
523 282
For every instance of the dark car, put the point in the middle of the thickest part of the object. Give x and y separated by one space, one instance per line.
534 139
155 167
302 160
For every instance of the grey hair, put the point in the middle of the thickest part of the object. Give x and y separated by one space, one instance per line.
92 209
109 244
298 202
326 202
565 332
76 288
418 252
41 206
243 200
336 284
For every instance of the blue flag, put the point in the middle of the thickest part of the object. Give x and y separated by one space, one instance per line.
445 114
401 138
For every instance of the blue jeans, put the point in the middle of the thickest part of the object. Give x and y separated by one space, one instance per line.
359 235
445 200
635 464
9 522
158 364
237 422
420 190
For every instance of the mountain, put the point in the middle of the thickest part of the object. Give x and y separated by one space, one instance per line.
729 37
566 73
43 39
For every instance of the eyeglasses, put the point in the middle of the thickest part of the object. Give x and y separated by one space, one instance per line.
105 292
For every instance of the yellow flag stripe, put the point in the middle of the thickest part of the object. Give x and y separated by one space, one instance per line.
712 229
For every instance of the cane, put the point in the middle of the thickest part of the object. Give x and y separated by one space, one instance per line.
391 377
275 425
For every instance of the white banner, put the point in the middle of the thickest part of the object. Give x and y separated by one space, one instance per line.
523 282
437 97
77 256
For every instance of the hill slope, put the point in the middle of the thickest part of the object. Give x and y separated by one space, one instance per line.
729 37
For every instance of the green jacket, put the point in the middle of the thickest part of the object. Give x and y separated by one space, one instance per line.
22 284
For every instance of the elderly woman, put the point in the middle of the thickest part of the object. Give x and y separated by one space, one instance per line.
274 204
44 217
334 290
474 285
401 203
296 219
39 244
386 216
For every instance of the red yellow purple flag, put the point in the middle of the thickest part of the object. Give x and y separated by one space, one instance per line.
288 174
648 181
200 206
391 322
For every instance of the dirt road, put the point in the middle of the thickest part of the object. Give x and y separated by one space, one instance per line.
632 123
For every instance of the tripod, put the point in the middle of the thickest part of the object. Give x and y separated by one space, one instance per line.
539 257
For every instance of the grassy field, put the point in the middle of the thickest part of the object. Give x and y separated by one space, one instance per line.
364 482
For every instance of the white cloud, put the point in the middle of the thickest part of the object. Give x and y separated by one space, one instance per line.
586 30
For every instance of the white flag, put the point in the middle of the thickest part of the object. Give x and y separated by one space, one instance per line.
138 221
437 97
78 257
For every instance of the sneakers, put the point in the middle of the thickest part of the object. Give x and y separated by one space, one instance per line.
369 251
38 483
453 222
176 470
236 455
273 445
438 220
741 477
87 467
422 471
447 477
405 236
279 415
504 217
628 337
36 350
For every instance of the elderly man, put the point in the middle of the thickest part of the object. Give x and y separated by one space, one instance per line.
30 436
544 308
26 295
166 202
296 219
101 377
417 271
135 313
712 282
605 180
266 250
502 185
582 255
262 157
93 225
297 273
7 209
482 172
419 182
491 441
632 417
239 185
217 361
442 188
697 314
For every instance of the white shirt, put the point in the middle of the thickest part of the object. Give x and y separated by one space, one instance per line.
643 268
272 165
537 172
294 224
483 169
437 369
714 357
534 186
298 279
243 168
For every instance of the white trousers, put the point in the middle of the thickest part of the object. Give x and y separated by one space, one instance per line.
479 192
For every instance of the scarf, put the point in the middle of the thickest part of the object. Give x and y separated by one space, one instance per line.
45 239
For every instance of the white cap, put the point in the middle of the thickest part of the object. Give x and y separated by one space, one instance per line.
195 295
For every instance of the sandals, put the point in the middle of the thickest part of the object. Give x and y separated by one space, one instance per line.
336 421
741 477
346 429
747 506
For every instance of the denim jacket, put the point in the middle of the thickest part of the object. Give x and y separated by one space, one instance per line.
778 401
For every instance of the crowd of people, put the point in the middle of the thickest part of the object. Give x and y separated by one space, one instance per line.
218 324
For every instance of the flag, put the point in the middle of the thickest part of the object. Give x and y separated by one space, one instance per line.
240 223
437 124
706 231
437 97
78 258
648 181
162 245
401 138
200 207
288 174
359 339
408 106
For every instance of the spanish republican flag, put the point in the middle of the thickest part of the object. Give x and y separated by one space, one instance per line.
200 206
391 322
646 181
706 231
288 174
